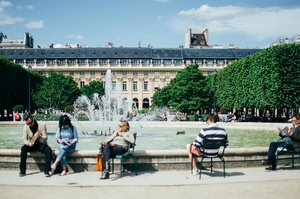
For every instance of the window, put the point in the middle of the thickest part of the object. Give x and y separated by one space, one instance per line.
135 61
156 73
177 62
156 62
93 73
124 73
124 86
114 62
103 73
82 62
29 61
145 73
93 62
82 84
146 103
124 61
51 62
40 62
188 61
135 86
145 85
135 73
71 62
145 62
20 61
114 85
60 62
71 73
167 62
103 62
81 73
198 61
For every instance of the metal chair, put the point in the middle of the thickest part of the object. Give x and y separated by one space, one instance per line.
285 150
212 148
128 154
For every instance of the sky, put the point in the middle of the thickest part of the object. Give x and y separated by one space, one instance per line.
156 23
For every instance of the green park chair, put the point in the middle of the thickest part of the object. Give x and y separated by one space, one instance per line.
287 151
212 144
127 155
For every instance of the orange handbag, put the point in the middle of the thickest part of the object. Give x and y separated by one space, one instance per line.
99 163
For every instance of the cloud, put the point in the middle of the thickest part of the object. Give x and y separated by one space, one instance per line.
7 20
4 4
35 24
74 36
27 7
260 23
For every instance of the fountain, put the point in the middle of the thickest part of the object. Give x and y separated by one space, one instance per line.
104 112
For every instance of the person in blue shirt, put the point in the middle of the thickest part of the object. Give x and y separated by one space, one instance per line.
67 138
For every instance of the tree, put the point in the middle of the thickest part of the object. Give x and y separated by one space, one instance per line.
14 85
57 91
93 87
267 79
186 92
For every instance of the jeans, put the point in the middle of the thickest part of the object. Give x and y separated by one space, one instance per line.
111 152
63 150
272 150
42 147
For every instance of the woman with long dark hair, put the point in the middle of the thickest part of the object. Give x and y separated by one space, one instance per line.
67 138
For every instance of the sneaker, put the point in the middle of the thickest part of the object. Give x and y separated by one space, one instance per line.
265 162
63 173
270 168
22 174
53 167
195 172
105 175
48 174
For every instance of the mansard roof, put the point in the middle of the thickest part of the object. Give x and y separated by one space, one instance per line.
124 53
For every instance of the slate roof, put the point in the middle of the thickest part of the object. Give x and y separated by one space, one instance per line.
121 52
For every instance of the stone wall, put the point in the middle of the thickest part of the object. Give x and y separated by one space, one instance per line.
148 160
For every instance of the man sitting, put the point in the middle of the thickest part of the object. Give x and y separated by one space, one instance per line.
291 140
35 139
211 131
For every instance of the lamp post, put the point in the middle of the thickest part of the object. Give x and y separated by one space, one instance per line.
29 93
215 74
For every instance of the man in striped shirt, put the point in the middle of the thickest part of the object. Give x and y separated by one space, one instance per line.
212 131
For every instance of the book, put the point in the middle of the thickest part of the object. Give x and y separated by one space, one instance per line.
284 131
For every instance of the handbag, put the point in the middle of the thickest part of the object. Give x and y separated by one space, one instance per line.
195 150
99 163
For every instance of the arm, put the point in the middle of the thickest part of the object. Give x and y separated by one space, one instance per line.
75 132
128 136
26 137
43 133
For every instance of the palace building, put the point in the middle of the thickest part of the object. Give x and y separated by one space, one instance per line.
139 71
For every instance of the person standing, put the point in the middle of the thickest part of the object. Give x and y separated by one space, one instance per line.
67 138
211 131
35 139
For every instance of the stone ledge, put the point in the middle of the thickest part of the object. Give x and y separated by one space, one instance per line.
85 160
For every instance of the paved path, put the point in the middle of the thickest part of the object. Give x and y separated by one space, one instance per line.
239 183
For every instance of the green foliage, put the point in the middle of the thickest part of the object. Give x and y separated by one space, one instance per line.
19 108
57 91
93 87
69 109
268 79
14 85
186 92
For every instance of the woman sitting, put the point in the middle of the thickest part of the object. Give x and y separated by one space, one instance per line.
116 144
66 137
